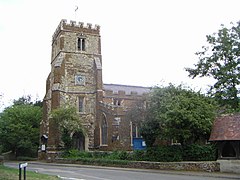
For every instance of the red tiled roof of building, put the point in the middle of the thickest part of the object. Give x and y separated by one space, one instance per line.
226 128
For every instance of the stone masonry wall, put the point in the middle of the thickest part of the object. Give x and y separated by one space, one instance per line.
204 166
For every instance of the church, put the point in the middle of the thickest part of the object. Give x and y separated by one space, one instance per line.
76 79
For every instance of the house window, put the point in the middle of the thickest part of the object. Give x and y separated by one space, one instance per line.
81 44
81 104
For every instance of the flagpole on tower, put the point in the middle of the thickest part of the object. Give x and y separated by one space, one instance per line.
76 8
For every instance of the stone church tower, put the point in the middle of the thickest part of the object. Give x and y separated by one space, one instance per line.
75 79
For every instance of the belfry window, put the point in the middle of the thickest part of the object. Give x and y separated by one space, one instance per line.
81 44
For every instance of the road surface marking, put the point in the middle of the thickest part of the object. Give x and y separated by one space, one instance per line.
69 178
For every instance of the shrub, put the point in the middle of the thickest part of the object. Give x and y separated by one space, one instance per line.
74 153
164 153
139 155
174 153
119 155
28 152
197 152
1 149
100 154
24 158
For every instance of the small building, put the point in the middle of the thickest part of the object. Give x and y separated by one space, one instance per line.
226 134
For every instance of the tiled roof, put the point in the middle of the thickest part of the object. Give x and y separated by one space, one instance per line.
128 89
226 128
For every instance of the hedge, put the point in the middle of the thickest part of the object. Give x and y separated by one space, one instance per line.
175 153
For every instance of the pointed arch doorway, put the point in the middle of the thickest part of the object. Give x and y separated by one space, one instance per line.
78 141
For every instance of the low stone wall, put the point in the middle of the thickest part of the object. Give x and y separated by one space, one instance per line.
186 166
9 156
208 166
229 166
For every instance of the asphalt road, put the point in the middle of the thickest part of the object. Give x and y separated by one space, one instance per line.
78 172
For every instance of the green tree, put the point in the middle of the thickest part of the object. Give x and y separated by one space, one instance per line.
1 101
69 122
220 60
136 113
179 114
150 130
24 100
19 128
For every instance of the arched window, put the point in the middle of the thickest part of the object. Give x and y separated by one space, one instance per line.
81 104
104 129
81 44
78 141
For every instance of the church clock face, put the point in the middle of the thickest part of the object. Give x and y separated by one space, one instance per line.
79 80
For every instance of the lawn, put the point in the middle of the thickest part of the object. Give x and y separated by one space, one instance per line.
7 173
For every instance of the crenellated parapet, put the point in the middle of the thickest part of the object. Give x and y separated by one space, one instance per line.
64 25
122 94
125 91
107 105
116 110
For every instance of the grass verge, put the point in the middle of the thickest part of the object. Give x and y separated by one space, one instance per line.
7 173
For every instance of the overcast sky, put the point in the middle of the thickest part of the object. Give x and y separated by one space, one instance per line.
144 42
